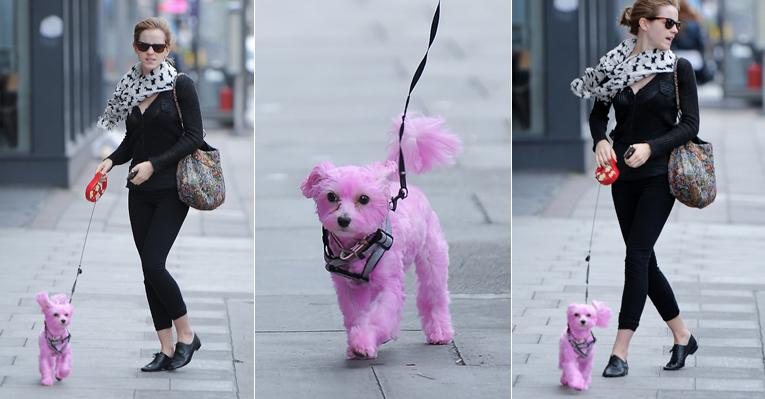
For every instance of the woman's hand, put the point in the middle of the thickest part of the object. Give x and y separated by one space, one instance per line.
604 153
104 167
641 154
145 170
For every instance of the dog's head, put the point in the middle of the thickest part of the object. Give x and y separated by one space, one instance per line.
57 309
583 317
351 201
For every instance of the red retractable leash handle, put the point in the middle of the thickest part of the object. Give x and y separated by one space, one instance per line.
608 174
96 187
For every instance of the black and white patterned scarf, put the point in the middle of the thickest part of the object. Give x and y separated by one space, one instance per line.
133 88
616 70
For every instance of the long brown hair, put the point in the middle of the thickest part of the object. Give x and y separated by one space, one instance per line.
643 9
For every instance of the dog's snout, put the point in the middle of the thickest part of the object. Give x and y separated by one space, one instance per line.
63 321
343 221
583 321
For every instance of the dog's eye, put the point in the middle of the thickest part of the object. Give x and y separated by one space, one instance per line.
55 314
363 199
589 315
66 314
576 314
331 197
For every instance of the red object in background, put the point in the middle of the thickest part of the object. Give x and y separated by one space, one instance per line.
607 175
226 99
754 76
95 188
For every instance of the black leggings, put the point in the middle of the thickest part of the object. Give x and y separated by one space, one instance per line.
156 217
642 207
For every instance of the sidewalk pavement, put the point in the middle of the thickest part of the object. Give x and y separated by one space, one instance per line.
332 75
41 237
712 258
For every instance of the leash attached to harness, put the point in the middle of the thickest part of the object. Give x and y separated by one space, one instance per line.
93 193
402 191
589 250
372 248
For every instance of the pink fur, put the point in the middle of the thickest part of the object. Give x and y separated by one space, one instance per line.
439 148
58 316
372 311
581 318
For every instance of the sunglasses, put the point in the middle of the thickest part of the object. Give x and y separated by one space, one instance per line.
158 48
669 23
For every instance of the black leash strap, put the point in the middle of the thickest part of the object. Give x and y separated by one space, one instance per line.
589 250
79 266
402 191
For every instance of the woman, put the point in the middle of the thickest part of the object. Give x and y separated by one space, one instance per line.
637 79
155 142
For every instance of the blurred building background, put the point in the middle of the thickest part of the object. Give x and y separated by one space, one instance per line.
554 40
59 61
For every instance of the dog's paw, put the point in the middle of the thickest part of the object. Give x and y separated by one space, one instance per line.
62 373
439 335
362 344
47 381
577 383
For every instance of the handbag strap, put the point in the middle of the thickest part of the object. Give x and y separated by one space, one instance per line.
178 107
677 93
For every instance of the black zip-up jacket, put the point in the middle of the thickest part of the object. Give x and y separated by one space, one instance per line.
649 117
157 136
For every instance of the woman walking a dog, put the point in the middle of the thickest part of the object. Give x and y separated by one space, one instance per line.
155 142
637 78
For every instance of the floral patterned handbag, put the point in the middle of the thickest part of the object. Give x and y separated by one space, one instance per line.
692 168
200 176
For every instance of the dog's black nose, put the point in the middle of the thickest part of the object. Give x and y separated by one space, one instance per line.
583 322
63 321
343 221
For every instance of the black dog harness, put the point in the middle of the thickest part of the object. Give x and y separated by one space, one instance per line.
54 343
583 347
370 248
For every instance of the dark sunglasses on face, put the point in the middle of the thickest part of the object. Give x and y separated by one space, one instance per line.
669 22
158 48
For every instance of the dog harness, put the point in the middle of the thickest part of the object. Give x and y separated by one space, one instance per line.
372 247
583 347
53 342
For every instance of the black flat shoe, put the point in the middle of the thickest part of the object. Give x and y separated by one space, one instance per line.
680 352
616 367
161 362
184 352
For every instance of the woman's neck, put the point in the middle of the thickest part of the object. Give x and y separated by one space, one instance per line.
641 45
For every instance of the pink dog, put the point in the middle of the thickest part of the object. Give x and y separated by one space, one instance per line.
55 353
577 343
353 203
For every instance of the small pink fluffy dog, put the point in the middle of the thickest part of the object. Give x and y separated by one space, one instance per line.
352 202
577 343
55 351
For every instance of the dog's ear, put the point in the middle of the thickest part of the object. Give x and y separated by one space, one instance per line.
386 171
604 313
309 187
43 300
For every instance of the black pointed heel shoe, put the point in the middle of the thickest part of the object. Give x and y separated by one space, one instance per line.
184 352
680 352
616 367
161 362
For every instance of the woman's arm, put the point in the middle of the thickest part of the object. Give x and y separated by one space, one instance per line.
599 121
688 128
192 123
124 152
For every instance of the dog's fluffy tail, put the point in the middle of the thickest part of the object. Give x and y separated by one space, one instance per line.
426 144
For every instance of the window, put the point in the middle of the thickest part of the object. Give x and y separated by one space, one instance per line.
527 66
14 92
